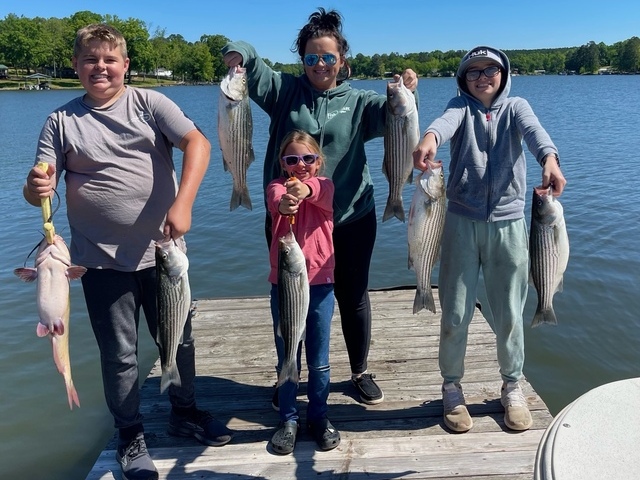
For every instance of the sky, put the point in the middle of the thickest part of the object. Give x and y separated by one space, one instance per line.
372 26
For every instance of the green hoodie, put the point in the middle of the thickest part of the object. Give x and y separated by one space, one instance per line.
341 120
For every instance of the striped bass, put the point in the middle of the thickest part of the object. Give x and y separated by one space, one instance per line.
235 132
426 222
53 272
293 303
548 252
174 303
401 136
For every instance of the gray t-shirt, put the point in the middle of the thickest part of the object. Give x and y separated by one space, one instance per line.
119 173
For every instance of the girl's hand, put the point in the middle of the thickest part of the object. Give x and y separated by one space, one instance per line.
289 204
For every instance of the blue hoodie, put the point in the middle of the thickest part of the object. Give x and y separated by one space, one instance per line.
487 173
341 119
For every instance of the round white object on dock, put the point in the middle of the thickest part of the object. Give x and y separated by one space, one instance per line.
597 436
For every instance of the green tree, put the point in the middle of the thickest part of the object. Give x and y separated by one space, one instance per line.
629 60
215 43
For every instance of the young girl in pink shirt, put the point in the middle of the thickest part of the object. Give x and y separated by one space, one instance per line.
302 200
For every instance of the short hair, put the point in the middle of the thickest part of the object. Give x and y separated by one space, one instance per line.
102 32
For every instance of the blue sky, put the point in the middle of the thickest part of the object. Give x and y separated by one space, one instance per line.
372 26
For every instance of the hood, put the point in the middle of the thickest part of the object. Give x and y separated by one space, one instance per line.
483 52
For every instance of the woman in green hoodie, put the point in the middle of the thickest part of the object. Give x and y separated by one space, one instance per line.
341 119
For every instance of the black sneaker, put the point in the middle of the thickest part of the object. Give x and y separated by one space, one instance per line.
201 425
275 401
134 460
368 389
284 440
325 434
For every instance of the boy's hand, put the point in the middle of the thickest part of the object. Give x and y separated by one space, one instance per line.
425 151
409 79
39 184
552 175
178 221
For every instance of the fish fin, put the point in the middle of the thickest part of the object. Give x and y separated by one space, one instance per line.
42 330
170 376
26 274
224 164
240 198
289 372
75 272
559 287
410 178
424 299
544 316
394 209
72 394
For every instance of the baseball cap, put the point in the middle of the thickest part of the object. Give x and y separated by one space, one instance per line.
479 54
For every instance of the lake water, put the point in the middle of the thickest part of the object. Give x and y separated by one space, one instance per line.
594 120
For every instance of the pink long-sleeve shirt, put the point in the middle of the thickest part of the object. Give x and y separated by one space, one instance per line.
313 228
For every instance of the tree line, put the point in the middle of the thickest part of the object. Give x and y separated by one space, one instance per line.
38 44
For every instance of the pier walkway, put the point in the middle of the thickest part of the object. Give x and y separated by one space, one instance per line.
403 437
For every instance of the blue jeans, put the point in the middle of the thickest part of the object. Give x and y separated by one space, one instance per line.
316 343
501 249
114 300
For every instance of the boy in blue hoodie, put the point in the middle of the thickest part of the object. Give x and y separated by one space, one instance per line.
485 225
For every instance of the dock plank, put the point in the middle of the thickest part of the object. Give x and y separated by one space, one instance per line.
403 437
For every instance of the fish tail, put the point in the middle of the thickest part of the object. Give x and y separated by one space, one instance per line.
394 208
424 299
240 198
289 372
170 376
544 316
72 394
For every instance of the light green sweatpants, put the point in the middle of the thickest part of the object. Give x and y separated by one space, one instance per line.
501 250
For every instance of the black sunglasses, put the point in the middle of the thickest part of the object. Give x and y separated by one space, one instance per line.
293 160
489 72
329 59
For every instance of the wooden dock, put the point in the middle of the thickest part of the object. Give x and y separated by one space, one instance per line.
403 437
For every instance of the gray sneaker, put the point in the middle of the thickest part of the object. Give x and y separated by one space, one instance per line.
134 460
516 412
456 415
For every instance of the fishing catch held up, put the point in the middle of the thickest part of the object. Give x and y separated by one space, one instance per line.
53 272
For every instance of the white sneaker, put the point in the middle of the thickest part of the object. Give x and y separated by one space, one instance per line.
516 412
456 415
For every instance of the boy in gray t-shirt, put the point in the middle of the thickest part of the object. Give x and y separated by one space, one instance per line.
115 145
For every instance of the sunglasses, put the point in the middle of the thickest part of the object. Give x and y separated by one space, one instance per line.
293 160
329 59
489 72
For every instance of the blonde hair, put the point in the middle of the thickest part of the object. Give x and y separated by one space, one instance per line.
102 32
300 136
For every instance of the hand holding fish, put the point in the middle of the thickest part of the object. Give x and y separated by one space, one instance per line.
425 152
178 221
39 184
552 175
297 188
409 79
232 59
289 204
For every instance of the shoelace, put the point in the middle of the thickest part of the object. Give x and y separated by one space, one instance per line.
452 399
514 396
135 449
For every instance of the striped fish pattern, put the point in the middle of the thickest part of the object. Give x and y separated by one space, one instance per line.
548 252
173 302
293 303
401 136
426 222
235 133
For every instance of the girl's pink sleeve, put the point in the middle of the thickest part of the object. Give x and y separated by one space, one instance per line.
322 189
275 190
